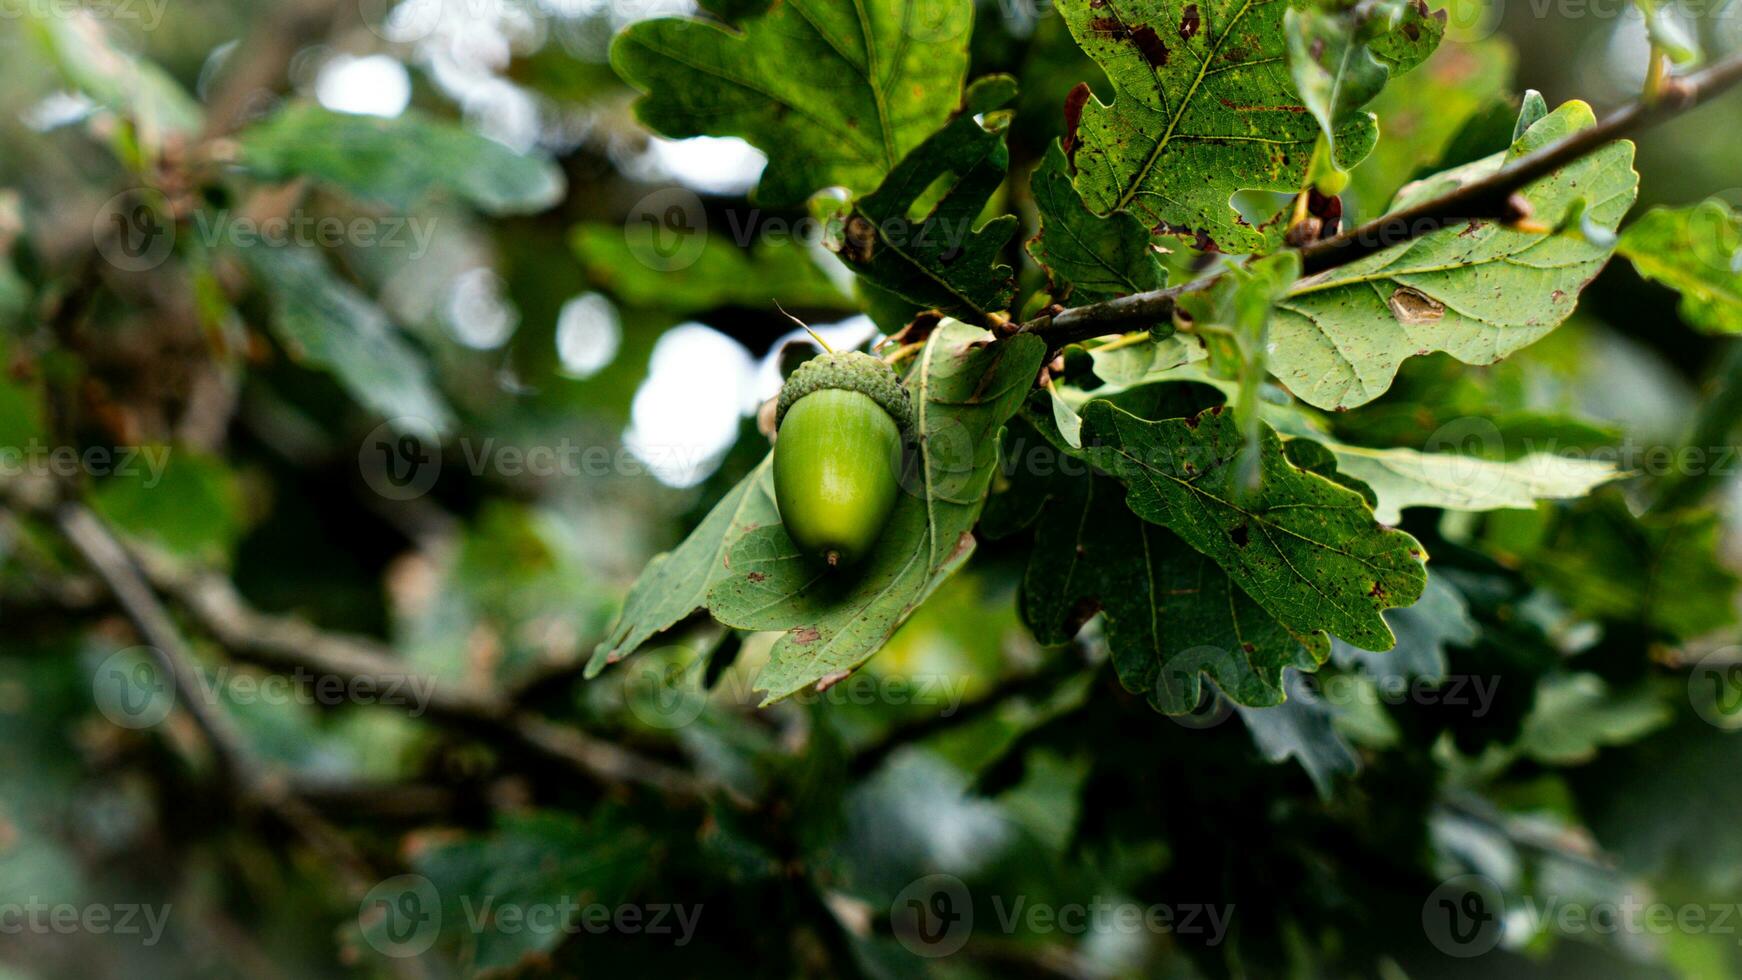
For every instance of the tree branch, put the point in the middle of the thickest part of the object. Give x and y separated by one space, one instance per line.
287 643
1492 198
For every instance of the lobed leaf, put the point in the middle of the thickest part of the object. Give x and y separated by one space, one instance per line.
1172 616
1098 257
676 583
1306 549
941 261
1203 107
835 93
1478 292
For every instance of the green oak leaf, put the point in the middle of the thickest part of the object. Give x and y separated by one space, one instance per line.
1301 727
1342 59
941 261
1411 36
398 161
964 386
1126 365
1306 549
1098 257
1172 616
1424 111
1577 714
1450 481
1662 570
1697 251
676 583
1439 618
328 323
1478 291
835 93
1203 107
531 859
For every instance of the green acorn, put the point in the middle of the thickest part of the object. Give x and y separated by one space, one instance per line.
837 454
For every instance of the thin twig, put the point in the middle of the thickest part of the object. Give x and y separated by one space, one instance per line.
287 643
1492 197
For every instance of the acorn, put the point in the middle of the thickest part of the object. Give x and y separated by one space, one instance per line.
837 453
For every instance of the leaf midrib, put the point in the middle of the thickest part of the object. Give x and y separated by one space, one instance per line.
1142 174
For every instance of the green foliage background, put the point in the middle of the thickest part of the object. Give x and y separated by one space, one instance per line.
1099 695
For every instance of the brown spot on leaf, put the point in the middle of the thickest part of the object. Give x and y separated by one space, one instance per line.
1412 306
1190 22
1411 31
1249 648
1154 51
861 240
1377 592
1074 103
806 634
756 576
830 680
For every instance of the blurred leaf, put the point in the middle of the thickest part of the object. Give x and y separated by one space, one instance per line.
1667 805
835 94
1306 549
329 324
1440 618
964 387
722 275
1406 478
941 261
1659 570
1697 251
399 161
1302 728
113 78
1179 140
1410 37
1479 292
494 888
512 598
676 583
1341 59
1098 257
1577 714
184 502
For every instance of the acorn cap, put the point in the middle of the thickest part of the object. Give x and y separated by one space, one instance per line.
849 371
